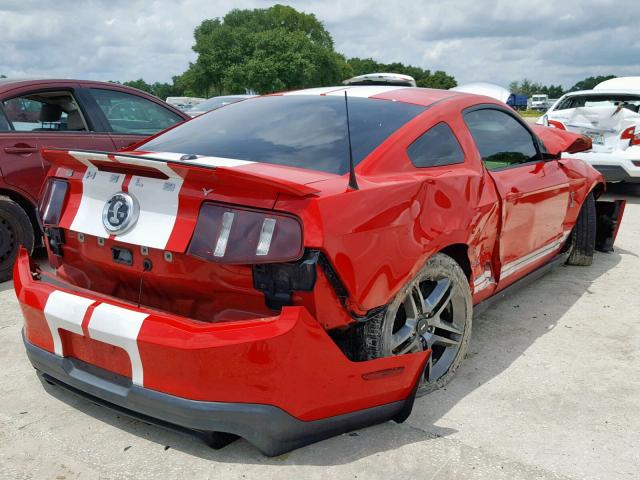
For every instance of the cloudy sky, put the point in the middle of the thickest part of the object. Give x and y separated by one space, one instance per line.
549 41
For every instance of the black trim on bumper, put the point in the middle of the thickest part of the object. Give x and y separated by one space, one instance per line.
615 173
272 430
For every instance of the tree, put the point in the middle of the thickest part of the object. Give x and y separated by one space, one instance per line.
590 82
438 79
528 88
3 76
160 90
262 50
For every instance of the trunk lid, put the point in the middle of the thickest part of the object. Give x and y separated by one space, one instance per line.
169 189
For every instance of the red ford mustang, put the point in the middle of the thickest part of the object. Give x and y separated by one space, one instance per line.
295 266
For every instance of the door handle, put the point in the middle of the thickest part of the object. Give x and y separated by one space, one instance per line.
20 150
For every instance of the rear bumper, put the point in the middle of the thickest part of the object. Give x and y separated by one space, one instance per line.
617 166
269 428
280 382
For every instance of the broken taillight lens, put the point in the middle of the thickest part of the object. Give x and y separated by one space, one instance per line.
236 235
631 135
52 202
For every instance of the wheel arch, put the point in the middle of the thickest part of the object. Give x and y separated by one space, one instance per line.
28 207
460 253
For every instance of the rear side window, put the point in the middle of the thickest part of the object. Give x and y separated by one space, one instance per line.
127 113
436 147
501 140
306 131
44 112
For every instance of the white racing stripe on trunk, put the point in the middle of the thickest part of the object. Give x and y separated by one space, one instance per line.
218 162
66 311
97 188
158 200
120 327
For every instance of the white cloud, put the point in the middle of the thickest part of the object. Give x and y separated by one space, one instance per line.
547 41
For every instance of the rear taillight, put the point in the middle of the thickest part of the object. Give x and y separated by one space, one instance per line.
631 135
243 236
52 202
555 123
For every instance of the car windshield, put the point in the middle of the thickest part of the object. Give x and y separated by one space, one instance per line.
631 102
294 130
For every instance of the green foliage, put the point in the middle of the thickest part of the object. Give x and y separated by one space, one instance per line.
424 78
590 82
272 49
527 87
3 76
262 50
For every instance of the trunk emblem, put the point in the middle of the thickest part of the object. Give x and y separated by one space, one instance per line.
207 191
120 213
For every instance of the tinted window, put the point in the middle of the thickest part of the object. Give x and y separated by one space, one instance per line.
501 140
297 130
128 113
436 147
44 112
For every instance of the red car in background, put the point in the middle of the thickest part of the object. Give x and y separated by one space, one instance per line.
294 266
64 114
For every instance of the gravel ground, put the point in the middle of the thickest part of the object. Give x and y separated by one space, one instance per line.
550 390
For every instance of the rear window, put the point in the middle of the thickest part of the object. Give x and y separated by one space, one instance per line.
298 130
631 102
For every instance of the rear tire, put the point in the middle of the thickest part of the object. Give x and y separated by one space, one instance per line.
433 310
583 236
15 230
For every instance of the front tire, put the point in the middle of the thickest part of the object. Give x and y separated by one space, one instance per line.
15 230
434 310
583 236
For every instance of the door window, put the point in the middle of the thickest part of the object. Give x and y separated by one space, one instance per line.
436 147
44 112
127 113
501 140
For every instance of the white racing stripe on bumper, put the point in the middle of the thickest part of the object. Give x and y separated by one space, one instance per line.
120 327
113 325
66 311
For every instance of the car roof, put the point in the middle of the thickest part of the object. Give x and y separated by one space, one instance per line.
616 91
415 95
15 82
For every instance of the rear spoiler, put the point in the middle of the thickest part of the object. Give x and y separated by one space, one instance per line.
201 167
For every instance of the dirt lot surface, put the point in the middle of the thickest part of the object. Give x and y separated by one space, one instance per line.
550 390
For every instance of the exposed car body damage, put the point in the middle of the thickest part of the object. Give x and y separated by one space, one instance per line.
188 304
608 114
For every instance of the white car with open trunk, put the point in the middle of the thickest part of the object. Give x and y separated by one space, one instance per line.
609 115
